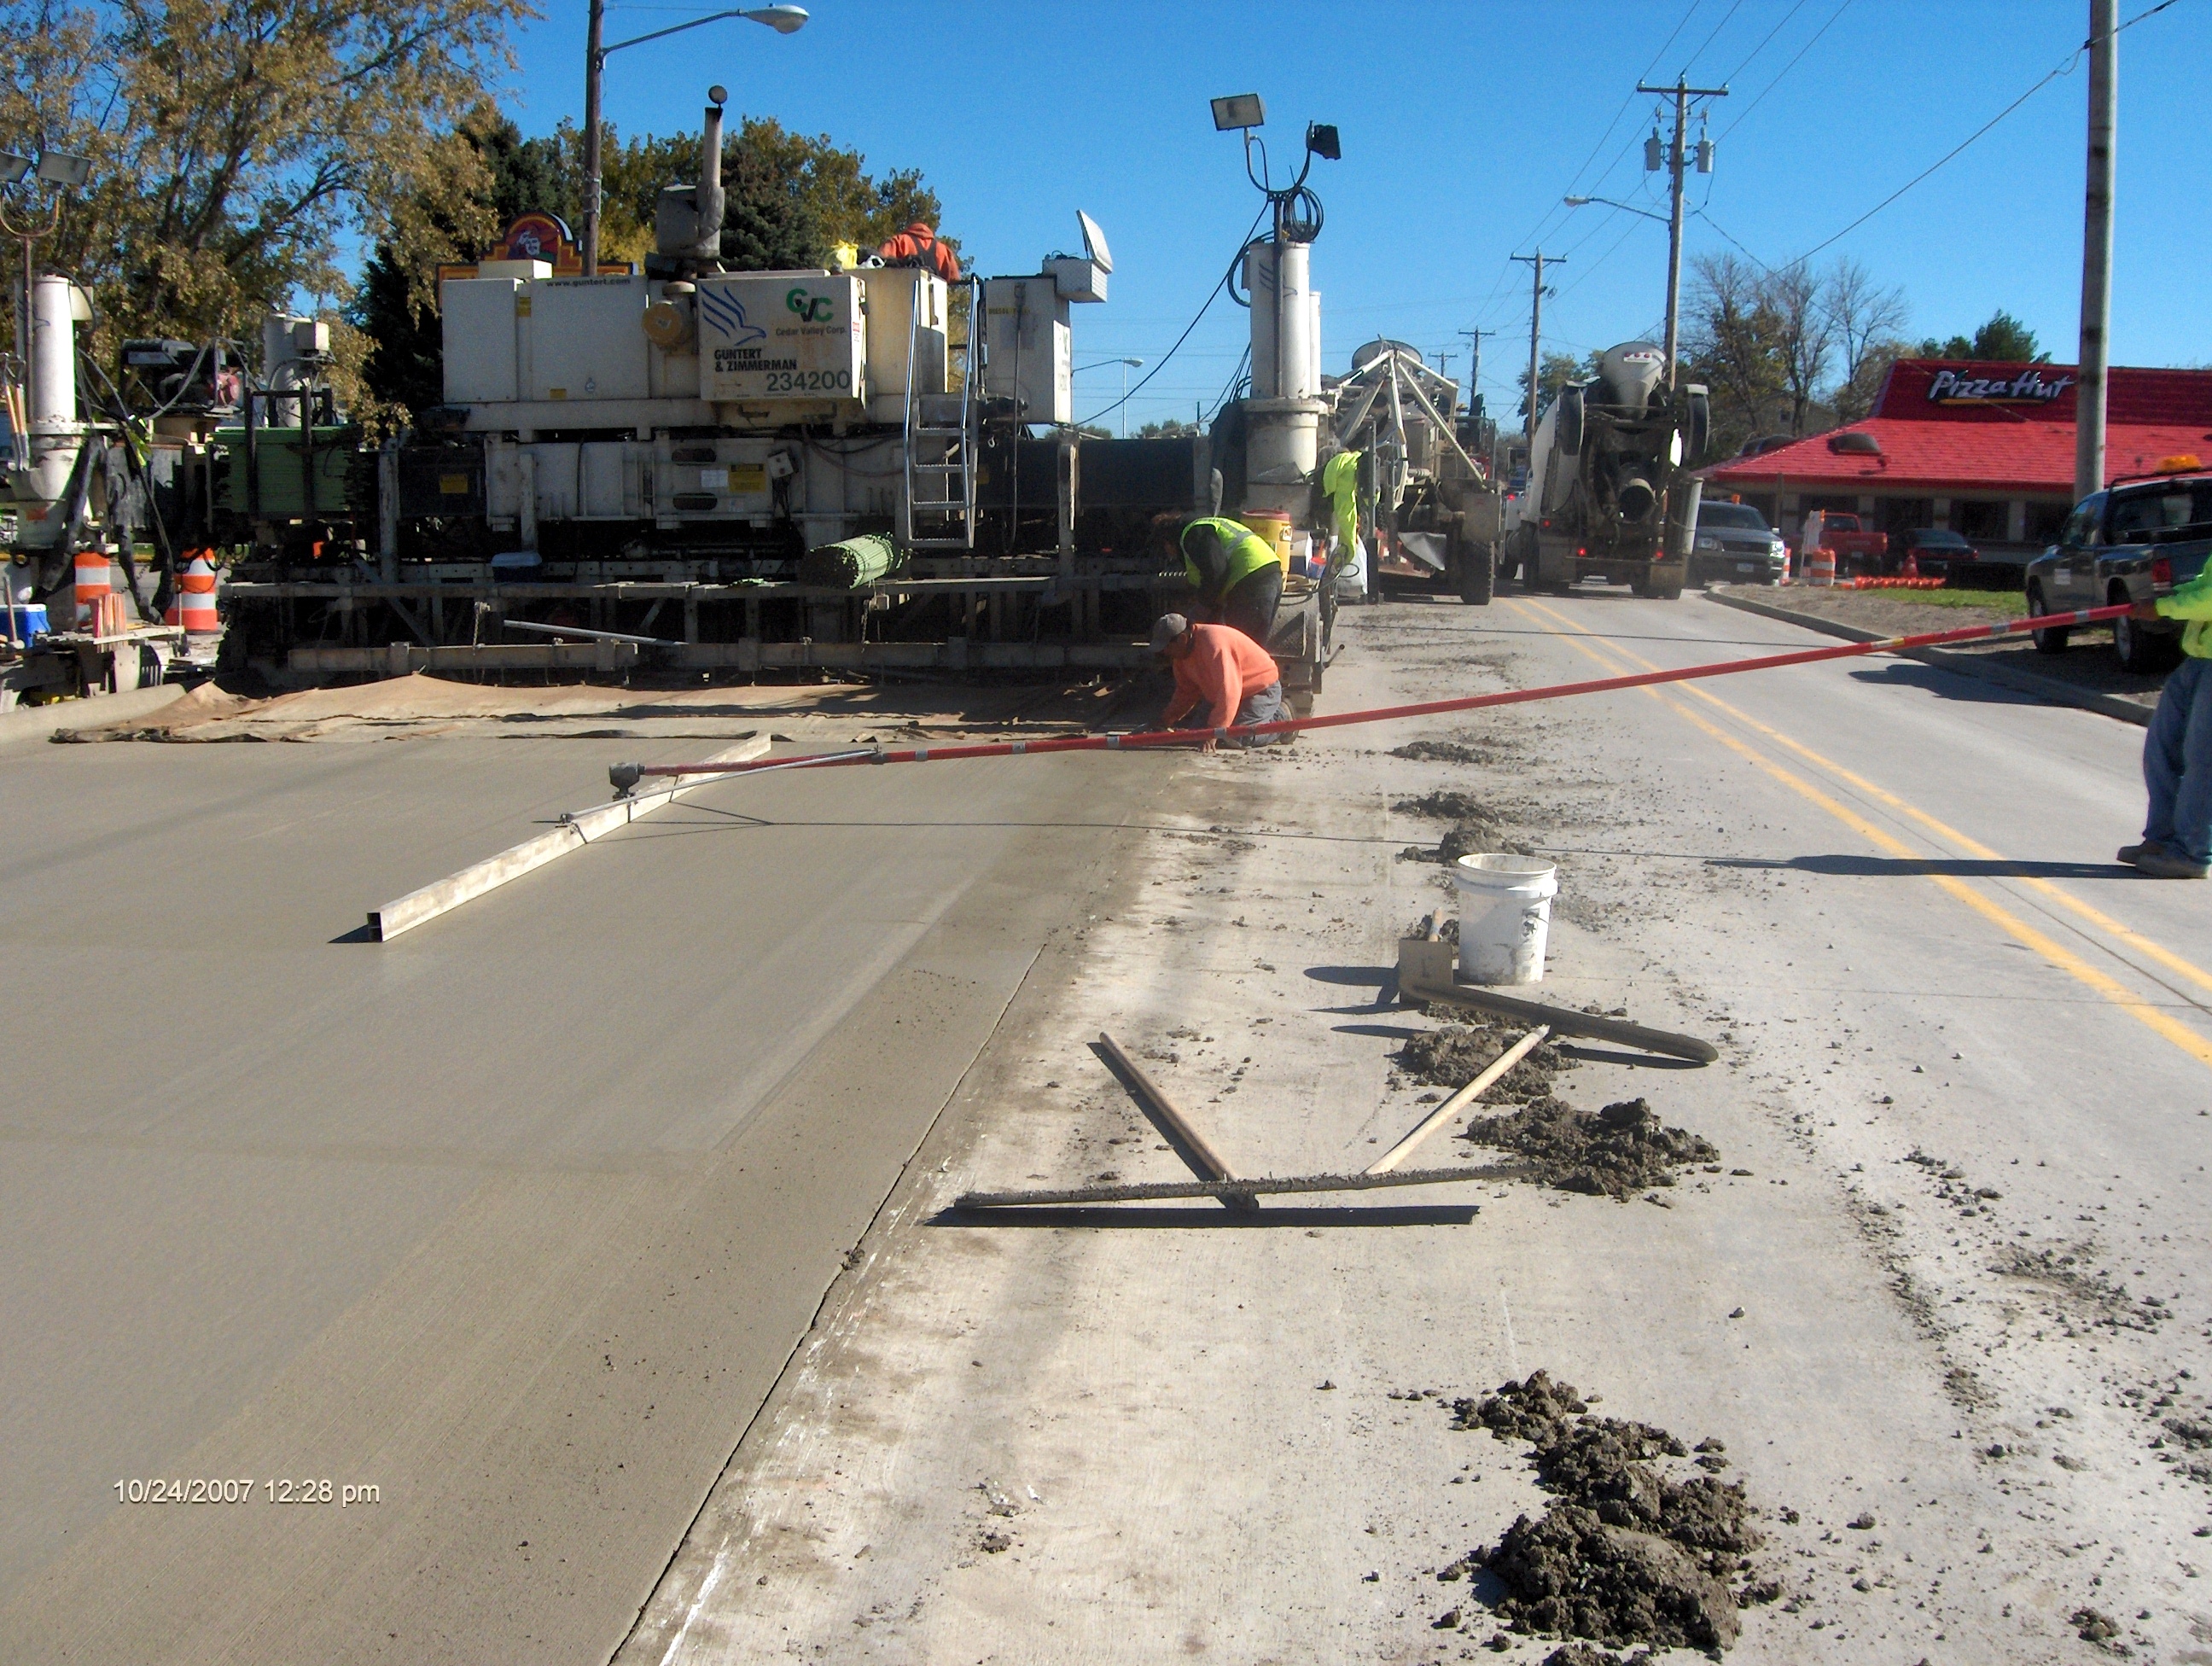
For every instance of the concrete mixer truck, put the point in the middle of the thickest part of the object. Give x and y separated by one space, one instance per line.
1609 494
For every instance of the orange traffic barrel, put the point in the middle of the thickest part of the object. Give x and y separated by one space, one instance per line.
92 582
193 604
1819 566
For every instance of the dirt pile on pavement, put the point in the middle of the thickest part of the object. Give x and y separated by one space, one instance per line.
1627 1554
1581 1654
1444 751
1475 827
1618 1150
1455 1054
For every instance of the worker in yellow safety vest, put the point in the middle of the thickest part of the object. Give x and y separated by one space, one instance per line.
1236 574
1340 482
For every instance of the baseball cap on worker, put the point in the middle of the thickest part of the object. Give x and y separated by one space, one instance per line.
1166 629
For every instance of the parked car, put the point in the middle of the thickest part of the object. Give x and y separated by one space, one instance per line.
1932 551
2128 542
1734 541
1857 549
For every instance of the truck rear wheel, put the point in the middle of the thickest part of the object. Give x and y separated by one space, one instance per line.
2138 650
1476 572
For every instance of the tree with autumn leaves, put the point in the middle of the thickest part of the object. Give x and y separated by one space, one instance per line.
243 149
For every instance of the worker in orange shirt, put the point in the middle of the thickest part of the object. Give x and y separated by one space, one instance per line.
918 245
1220 668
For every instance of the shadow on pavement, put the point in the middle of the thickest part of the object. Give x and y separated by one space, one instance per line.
1944 684
1635 1060
1127 1214
1957 867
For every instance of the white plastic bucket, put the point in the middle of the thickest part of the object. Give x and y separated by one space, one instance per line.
1505 916
1350 580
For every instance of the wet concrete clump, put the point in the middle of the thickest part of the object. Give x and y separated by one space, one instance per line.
1455 1054
1581 1654
1627 1554
1571 1574
1475 828
1444 751
1612 1153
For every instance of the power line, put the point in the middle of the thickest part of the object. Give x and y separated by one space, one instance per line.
1205 307
2065 68
1710 39
1544 221
1787 68
1762 47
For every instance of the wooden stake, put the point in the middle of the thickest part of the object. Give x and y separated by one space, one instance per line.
1452 1107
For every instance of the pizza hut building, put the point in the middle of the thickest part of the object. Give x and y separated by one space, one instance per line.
1984 449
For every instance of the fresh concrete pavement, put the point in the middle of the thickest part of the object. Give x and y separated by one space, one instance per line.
514 1220
520 1217
1938 1304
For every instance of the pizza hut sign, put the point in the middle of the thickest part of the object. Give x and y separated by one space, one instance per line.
1948 387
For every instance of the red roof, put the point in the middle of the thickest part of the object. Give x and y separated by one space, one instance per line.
1947 427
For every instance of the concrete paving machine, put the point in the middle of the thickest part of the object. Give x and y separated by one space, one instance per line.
1609 494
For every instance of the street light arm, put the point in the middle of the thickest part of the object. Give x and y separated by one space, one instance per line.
1608 202
773 17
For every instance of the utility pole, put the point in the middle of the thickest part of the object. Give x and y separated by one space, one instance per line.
595 61
1538 260
1682 93
1474 358
2096 253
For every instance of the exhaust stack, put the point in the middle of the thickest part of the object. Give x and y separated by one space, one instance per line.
710 198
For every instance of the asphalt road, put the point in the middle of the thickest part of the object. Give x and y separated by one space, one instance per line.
514 1220
1973 829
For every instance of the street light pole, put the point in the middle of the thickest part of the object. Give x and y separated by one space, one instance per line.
784 19
1128 365
1683 93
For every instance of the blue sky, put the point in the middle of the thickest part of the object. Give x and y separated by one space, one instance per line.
1463 124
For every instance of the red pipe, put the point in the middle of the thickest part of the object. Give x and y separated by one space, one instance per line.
1387 714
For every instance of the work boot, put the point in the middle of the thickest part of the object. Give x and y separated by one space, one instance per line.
2132 854
2168 865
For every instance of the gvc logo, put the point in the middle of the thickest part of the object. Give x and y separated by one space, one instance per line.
811 309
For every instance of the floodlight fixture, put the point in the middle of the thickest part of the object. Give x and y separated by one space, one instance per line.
12 168
1320 141
59 167
1241 110
718 96
784 19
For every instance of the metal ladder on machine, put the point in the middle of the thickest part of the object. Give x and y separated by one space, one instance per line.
939 507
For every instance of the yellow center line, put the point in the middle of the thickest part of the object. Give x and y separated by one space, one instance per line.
2063 959
2149 949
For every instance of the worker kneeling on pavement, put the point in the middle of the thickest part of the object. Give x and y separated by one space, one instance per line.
1221 668
1236 574
2177 840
